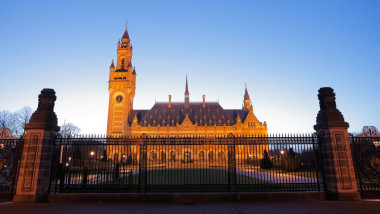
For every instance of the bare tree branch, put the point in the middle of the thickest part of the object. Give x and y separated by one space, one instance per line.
12 124
70 129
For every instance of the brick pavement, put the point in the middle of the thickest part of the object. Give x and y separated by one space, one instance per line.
371 207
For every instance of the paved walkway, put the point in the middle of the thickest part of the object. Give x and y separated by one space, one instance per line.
370 207
276 177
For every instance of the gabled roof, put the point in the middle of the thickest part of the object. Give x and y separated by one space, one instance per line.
210 115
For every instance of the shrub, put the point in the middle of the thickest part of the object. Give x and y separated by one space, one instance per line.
266 163
292 164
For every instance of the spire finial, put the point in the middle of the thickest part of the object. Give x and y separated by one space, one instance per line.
186 94
112 64
187 88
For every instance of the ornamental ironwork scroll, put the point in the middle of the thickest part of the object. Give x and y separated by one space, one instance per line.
366 156
10 157
370 131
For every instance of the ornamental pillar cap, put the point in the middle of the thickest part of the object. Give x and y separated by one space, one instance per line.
44 117
328 115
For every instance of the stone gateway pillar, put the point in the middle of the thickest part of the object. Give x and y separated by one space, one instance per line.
335 146
34 174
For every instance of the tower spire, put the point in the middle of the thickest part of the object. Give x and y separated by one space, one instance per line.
246 95
187 88
126 35
187 94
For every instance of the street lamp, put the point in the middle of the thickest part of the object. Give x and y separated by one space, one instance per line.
376 143
282 159
249 159
92 153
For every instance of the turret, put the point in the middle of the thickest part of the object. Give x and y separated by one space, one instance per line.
247 100
124 53
125 41
112 67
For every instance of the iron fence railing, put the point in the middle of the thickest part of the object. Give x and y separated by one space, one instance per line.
10 158
187 164
366 158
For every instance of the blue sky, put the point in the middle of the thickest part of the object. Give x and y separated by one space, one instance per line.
284 50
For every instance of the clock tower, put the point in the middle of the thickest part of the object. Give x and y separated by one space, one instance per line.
122 86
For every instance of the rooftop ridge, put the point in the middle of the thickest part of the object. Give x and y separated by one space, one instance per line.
178 102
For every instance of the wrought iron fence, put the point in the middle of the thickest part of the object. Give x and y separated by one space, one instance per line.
187 164
10 158
366 158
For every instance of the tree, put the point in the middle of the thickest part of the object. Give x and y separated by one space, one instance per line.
266 163
22 117
12 124
69 129
7 124
292 164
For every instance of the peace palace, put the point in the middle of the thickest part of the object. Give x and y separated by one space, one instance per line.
168 118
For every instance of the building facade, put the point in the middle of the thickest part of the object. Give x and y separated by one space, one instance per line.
170 118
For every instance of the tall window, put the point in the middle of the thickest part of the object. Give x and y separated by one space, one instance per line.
122 63
201 156
153 156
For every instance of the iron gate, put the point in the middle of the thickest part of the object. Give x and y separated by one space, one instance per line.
366 158
187 164
10 158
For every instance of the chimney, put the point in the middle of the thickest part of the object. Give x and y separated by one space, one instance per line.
204 100
170 101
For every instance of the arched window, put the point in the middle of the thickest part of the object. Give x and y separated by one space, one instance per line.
201 156
163 157
187 157
211 156
172 156
153 156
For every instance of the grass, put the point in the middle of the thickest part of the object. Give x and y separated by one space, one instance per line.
188 176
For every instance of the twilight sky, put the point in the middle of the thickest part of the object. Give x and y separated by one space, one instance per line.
284 50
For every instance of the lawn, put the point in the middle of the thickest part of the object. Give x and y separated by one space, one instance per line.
187 176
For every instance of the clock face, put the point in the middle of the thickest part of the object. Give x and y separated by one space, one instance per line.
119 98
